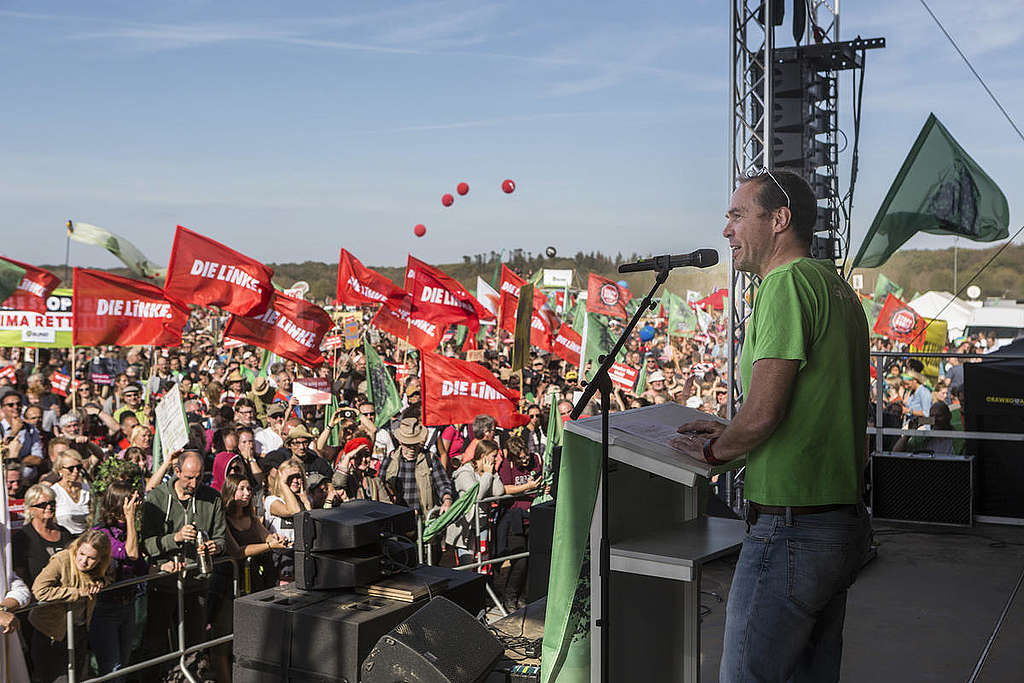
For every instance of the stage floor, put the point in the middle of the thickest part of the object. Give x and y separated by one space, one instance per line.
923 610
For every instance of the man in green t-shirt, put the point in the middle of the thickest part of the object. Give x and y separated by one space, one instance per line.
802 427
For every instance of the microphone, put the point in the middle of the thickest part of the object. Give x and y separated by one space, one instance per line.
702 258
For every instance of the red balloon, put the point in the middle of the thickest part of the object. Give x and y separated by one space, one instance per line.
462 188
420 230
447 199
508 186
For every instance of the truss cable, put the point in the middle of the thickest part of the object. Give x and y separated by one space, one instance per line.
973 71
999 625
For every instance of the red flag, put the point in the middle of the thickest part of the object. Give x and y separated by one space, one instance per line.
606 297
290 327
35 286
396 320
508 291
456 391
207 273
543 321
899 322
440 298
110 309
568 345
358 284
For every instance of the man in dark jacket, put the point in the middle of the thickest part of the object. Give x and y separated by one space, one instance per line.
173 516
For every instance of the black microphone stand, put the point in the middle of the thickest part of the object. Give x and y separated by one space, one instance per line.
602 382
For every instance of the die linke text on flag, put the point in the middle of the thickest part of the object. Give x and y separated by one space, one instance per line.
456 391
606 297
543 322
568 345
396 320
290 327
35 286
110 309
207 273
359 285
440 298
900 322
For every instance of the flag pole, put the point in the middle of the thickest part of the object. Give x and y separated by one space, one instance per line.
71 382
956 243
67 248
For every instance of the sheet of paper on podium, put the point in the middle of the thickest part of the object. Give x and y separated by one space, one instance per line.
645 434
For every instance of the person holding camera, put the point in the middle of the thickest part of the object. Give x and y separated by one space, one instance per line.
353 474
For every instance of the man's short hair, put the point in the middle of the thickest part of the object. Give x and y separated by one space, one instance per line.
481 425
803 207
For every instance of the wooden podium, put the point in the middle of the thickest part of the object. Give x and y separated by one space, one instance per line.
659 540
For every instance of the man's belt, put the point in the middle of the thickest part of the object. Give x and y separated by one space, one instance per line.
798 509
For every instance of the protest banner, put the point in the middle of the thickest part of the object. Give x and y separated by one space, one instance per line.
110 309
622 376
359 285
312 391
421 333
51 329
205 272
568 345
440 298
352 332
291 328
331 342
170 421
456 391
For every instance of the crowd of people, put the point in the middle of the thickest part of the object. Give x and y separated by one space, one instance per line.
94 501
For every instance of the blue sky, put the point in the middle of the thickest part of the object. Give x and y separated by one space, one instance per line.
288 131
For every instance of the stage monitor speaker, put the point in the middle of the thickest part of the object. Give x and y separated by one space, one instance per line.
338 569
915 487
263 622
542 531
355 524
441 643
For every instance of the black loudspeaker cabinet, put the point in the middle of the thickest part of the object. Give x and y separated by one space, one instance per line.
338 569
441 643
542 530
355 524
288 634
916 487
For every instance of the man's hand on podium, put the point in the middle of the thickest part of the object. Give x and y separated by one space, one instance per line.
692 436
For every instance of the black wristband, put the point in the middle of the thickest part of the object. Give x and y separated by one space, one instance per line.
709 455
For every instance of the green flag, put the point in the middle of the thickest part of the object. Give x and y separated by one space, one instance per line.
10 277
124 250
940 190
681 319
334 438
456 509
883 288
380 388
566 647
598 341
554 440
641 380
524 318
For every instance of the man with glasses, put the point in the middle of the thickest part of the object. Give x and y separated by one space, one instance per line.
245 413
132 395
269 438
20 439
802 427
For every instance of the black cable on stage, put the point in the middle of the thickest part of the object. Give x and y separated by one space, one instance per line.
973 71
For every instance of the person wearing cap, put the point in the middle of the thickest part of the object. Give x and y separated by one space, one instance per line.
269 438
235 387
262 396
299 442
320 492
655 386
132 395
353 473
417 480
803 430
919 400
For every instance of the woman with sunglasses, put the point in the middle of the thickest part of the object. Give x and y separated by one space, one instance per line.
73 494
41 537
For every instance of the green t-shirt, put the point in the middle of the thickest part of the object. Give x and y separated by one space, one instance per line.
804 311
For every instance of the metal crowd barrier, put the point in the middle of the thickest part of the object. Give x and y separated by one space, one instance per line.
426 551
180 654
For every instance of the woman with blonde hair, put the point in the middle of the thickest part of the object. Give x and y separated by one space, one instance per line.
286 496
41 537
73 494
77 575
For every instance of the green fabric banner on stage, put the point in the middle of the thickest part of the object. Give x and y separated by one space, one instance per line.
566 647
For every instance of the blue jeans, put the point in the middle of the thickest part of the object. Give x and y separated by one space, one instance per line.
111 634
787 603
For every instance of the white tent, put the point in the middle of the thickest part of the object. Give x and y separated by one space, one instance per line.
944 306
